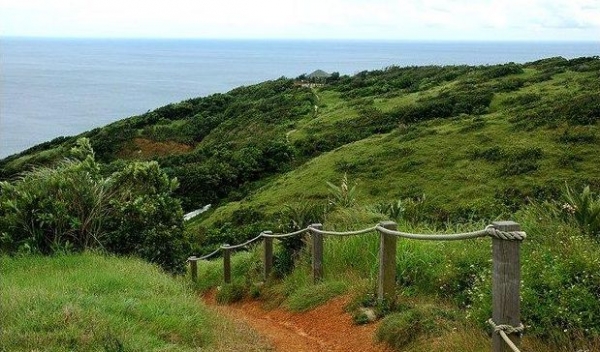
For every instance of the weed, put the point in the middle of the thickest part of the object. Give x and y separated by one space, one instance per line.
230 293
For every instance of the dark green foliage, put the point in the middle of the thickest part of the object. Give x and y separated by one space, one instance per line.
468 99
145 219
409 79
581 109
225 170
497 71
109 140
293 218
509 84
73 207
576 136
521 100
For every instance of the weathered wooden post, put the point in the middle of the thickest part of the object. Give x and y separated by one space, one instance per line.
317 253
226 264
386 282
193 268
268 255
506 283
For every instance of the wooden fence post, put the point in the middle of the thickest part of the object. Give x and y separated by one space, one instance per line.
226 264
317 253
506 283
194 268
386 282
268 255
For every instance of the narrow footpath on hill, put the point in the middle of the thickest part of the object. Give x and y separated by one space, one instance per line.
327 328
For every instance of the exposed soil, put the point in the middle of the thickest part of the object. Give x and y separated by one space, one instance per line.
325 328
148 149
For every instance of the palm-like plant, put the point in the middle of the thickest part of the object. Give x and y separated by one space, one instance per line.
343 196
584 207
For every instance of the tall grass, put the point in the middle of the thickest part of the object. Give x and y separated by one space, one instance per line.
95 303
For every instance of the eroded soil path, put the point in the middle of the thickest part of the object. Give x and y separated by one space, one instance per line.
325 328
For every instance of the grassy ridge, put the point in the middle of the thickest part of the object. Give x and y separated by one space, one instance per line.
96 303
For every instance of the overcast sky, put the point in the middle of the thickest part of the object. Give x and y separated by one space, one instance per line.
306 19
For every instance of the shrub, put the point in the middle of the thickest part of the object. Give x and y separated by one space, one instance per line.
73 206
293 218
49 209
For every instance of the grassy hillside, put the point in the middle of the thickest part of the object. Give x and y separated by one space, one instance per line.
477 141
93 303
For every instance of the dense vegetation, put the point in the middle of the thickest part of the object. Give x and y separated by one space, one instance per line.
76 205
435 148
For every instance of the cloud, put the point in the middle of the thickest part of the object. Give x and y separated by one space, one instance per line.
376 19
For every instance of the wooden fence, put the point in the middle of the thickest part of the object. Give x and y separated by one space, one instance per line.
506 275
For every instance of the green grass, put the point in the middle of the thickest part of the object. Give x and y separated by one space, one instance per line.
96 303
309 297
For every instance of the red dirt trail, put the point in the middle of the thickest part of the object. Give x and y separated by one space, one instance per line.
327 328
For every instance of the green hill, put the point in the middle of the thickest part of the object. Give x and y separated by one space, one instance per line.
476 141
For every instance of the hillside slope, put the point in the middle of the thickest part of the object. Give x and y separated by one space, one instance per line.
475 141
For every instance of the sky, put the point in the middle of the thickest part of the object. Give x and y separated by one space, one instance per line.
551 20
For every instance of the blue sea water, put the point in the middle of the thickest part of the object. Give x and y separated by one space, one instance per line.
61 87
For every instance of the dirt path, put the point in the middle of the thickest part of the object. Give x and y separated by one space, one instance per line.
324 329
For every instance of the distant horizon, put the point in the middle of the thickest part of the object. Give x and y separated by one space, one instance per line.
543 40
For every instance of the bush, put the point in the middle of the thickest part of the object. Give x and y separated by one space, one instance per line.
293 218
73 206
51 209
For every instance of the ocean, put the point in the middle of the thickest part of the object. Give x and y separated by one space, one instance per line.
62 87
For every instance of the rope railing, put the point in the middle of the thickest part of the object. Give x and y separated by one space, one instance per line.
506 237
488 231
347 233
269 234
204 257
226 246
